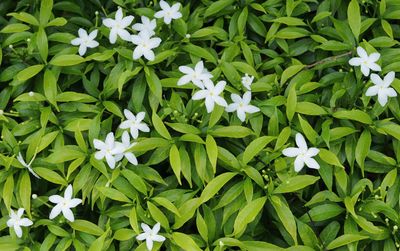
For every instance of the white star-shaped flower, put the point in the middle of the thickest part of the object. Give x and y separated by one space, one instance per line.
197 76
147 25
168 12
134 123
118 26
22 161
145 45
211 95
126 143
16 221
150 235
242 105
302 153
381 88
85 40
247 81
109 149
64 204
367 62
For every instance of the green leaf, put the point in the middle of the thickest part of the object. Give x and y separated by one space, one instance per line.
45 11
113 194
215 185
185 242
66 60
308 108
25 191
285 215
231 132
217 6
354 17
86 227
356 115
175 161
329 157
25 17
290 72
160 127
255 147
158 215
15 28
344 240
154 82
50 86
8 191
296 183
42 43
200 52
51 176
29 72
212 151
362 148
247 214
291 103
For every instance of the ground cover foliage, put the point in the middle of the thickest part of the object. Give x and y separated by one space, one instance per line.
207 178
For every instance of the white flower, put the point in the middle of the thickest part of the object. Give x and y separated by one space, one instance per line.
197 76
303 154
242 105
64 204
22 161
109 149
247 81
85 41
145 44
147 25
16 221
168 12
126 142
150 235
118 26
367 62
134 123
211 95
381 88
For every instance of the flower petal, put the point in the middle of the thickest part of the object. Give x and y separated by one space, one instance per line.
209 104
355 61
382 98
110 161
68 214
68 192
361 52
25 222
298 164
388 79
200 94
74 202
372 91
55 211
374 56
56 199
365 70
311 163
18 230
291 152
301 142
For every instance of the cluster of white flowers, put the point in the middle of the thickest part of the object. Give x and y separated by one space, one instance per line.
143 40
113 151
381 86
211 93
63 204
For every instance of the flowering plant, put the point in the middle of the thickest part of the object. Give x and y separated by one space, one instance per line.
199 125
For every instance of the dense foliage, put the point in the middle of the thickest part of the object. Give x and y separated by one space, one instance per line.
106 145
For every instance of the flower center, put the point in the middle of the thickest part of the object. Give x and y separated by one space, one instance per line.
241 104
